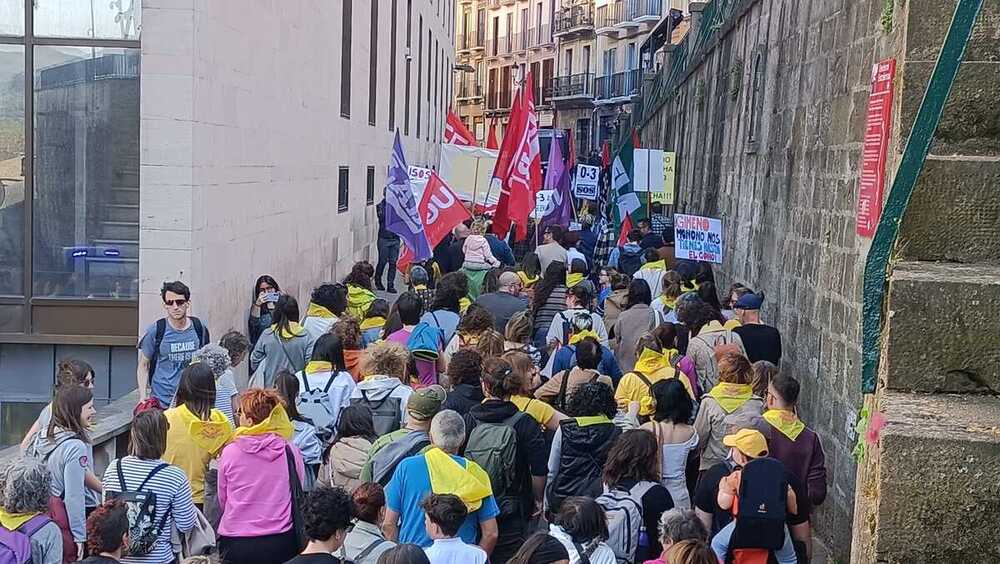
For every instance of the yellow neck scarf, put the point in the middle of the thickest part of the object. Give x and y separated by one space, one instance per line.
731 396
372 323
418 287
525 279
669 303
471 483
316 310
12 521
294 330
785 421
315 366
577 337
731 324
573 278
589 420
690 286
277 422
655 265
463 304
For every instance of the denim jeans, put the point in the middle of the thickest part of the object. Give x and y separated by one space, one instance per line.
720 545
388 254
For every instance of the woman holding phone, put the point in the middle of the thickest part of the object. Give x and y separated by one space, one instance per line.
265 294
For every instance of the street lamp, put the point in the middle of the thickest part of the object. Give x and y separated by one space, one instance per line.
464 68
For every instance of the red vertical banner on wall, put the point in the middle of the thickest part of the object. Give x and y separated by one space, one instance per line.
876 144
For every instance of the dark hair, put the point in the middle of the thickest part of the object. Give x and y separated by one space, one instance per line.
582 519
787 388
490 344
531 265
465 367
570 239
734 288
634 235
410 307
589 353
328 349
477 319
404 554
326 510
148 437
707 293
66 409
378 308
666 334
633 456
331 296
356 420
541 548
256 287
592 398
447 511
450 290
578 266
348 331
557 232
499 378
106 526
288 387
638 293
671 284
234 342
368 499
651 254
361 275
286 311
73 372
178 288
555 276
196 390
645 223
582 294
673 403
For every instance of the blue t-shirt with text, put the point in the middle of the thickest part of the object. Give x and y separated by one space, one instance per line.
175 354
410 484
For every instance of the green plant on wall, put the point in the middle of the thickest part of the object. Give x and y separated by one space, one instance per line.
735 78
886 18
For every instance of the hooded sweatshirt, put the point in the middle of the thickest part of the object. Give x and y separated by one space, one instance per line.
254 491
68 459
377 388
192 443
359 300
291 351
347 457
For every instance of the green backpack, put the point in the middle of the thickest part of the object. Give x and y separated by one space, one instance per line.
493 446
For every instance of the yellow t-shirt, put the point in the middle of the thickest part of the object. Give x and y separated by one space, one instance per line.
537 409
184 450
632 388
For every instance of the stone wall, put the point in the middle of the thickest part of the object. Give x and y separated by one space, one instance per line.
242 139
767 124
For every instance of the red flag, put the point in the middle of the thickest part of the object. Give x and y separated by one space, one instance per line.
626 227
522 175
456 133
606 154
635 139
440 211
491 137
570 151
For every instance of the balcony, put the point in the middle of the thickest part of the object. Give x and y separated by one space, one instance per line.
575 22
616 88
508 2
469 92
492 4
625 15
572 90
607 19
539 38
465 44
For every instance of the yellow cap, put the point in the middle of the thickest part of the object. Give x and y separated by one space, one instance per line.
748 441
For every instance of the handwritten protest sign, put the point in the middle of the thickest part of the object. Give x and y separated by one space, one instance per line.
585 186
697 238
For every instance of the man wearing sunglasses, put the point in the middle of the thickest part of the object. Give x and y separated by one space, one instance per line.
168 345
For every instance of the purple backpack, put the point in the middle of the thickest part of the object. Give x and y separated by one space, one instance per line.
15 546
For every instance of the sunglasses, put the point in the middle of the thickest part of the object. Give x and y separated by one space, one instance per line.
177 303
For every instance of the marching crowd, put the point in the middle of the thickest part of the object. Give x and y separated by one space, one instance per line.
568 402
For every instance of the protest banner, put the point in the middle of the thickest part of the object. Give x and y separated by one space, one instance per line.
666 197
698 238
543 201
585 185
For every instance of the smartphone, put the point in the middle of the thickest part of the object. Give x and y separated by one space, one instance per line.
272 296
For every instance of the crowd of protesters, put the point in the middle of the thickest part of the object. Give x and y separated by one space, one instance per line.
560 409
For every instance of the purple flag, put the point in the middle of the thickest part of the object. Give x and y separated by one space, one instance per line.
401 214
557 180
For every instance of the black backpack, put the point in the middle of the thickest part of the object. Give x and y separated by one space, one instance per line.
161 329
143 531
386 412
629 262
760 520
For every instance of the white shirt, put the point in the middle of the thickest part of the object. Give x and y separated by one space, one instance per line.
454 551
653 277
603 554
573 253
556 329
316 327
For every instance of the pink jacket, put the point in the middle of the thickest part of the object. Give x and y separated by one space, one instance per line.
477 251
254 494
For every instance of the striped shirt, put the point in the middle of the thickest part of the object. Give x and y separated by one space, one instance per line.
225 389
552 306
173 492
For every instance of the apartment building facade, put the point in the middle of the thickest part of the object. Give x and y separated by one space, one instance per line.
206 141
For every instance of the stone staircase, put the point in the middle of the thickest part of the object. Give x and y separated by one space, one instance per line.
930 490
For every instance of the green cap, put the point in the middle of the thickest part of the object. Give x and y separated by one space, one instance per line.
425 403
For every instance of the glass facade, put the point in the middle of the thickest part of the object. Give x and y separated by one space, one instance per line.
69 157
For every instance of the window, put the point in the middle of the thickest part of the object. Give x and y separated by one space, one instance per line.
480 26
523 40
583 136
420 65
406 98
586 58
373 66
343 188
609 61
540 37
491 89
85 19
345 59
85 226
630 60
537 78
12 168
437 73
496 36
510 32
392 65
547 73
568 69
370 186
